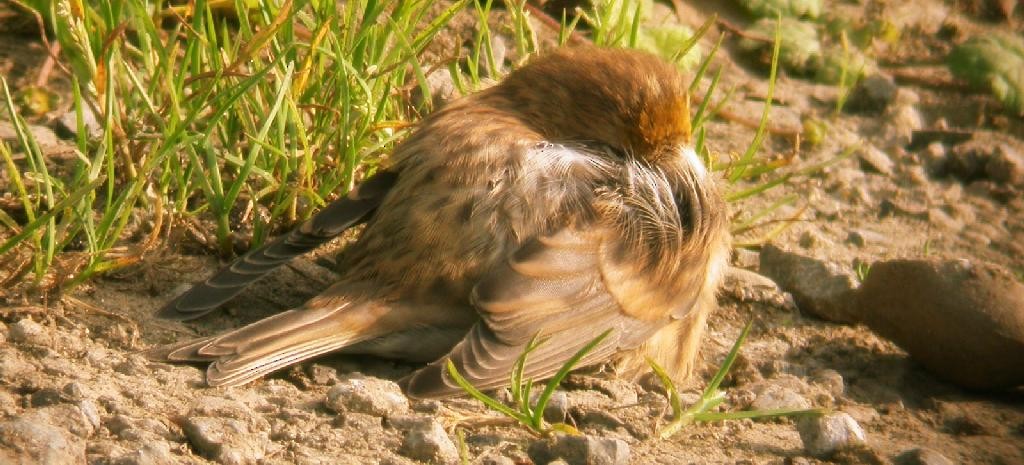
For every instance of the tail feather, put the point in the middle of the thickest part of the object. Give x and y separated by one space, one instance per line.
327 224
252 351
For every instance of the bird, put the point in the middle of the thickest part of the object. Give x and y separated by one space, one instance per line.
560 203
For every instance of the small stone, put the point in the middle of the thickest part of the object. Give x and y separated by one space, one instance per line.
872 94
1005 166
493 458
26 331
808 239
967 160
364 394
745 258
91 412
581 450
819 287
322 375
864 237
428 442
772 397
28 441
557 408
877 160
67 124
922 456
934 158
827 434
151 453
748 286
45 397
226 440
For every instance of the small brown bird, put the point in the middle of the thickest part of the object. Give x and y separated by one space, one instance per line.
561 203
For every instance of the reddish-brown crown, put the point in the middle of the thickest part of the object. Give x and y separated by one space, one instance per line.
629 100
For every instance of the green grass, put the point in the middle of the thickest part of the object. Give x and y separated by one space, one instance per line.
704 409
213 115
526 413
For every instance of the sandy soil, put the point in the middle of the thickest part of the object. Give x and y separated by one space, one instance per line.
71 376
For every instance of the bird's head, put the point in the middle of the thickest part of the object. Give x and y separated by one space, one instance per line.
629 101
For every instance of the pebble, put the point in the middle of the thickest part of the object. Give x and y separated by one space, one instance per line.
26 440
934 158
863 237
1005 165
876 160
922 456
151 453
364 394
771 397
819 287
67 124
26 331
748 286
581 450
872 94
226 440
827 434
962 320
428 442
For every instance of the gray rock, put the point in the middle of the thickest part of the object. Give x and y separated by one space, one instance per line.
876 159
922 456
428 442
364 394
557 408
819 287
67 124
962 320
827 434
581 450
226 440
26 331
24 441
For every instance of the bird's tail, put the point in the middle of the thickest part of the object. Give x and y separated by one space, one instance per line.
249 352
324 226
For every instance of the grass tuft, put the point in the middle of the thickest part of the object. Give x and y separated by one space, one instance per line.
526 413
712 397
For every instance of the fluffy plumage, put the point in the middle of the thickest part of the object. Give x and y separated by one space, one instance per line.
561 202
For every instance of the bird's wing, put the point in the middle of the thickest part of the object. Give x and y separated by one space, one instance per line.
338 318
330 222
567 288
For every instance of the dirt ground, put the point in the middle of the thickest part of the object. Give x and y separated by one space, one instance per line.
73 385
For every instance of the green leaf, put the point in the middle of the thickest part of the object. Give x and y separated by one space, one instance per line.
786 8
800 48
994 62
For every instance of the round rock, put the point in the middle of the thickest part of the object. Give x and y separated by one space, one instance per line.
962 320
